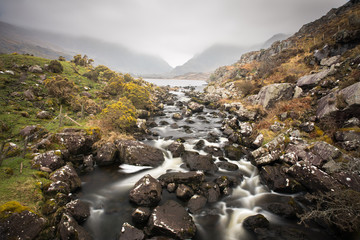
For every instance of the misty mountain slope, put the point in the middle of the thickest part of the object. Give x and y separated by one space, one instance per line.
210 59
276 37
50 45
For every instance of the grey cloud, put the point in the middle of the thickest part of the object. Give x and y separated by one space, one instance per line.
172 29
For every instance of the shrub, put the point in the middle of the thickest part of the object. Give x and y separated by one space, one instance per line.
246 87
55 66
120 115
115 86
138 95
61 88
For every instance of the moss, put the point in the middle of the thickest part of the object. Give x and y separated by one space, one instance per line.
7 209
40 174
8 171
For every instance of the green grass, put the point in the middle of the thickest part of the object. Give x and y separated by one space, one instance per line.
22 187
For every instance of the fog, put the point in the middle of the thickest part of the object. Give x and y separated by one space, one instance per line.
173 30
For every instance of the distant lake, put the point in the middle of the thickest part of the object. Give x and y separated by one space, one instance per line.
177 82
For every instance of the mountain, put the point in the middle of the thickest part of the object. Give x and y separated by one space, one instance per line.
220 55
210 59
51 45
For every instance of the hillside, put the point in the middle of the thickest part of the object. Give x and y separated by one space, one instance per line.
51 45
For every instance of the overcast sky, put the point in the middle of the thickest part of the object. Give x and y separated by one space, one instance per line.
172 29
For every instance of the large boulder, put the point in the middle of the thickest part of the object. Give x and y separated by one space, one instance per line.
78 141
18 222
146 192
310 81
194 161
251 223
69 229
68 175
137 153
273 93
78 209
106 154
341 103
196 203
172 220
234 153
211 191
48 161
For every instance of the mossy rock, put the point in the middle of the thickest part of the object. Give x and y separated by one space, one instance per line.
7 209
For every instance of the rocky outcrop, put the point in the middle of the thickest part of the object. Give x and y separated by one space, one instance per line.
137 153
273 93
171 220
342 103
146 192
49 161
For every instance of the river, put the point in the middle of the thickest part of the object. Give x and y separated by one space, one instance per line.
107 189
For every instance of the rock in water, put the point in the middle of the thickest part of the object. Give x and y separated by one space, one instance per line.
137 153
129 232
172 220
146 192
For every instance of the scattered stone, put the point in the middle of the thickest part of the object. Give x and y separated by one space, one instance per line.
29 95
195 107
214 151
189 178
44 115
245 129
199 145
184 192
258 141
194 161
310 81
35 69
307 127
129 232
330 61
176 149
172 220
276 127
211 191
227 166
141 215
177 116
146 192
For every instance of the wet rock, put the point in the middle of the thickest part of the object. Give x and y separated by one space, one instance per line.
176 149
211 191
164 123
214 151
69 229
129 232
227 166
212 137
349 140
196 203
329 105
251 223
199 145
171 220
137 153
310 81
19 223
68 175
141 215
194 161
275 177
106 154
88 164
234 153
189 178
273 93
44 115
146 192
184 192
195 107
284 209
177 116
78 209
49 161
78 141
225 182
312 178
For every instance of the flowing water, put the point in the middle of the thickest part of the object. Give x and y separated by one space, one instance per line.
107 189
